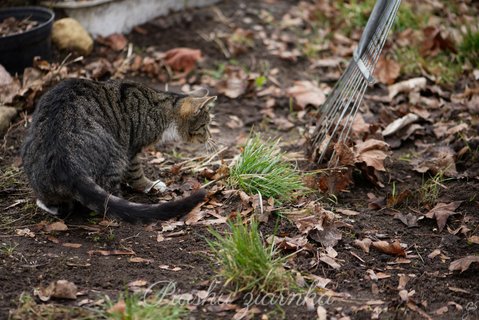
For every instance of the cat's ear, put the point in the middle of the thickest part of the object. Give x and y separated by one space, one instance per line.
192 106
205 103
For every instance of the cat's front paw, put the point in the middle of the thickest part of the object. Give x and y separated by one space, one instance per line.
157 185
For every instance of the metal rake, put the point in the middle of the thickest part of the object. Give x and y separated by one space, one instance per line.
343 103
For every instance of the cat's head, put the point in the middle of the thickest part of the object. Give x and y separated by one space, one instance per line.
194 117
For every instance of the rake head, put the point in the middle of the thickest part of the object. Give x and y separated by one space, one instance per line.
339 110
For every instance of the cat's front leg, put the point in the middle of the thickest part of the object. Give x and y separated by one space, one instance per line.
136 179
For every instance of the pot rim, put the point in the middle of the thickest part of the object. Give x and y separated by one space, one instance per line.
28 9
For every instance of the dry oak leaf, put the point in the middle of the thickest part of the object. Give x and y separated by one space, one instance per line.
182 59
306 93
442 211
373 152
393 249
463 263
387 70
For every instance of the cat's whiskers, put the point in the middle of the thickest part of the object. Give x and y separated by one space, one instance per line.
211 146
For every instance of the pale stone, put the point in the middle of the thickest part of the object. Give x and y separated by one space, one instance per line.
6 116
69 34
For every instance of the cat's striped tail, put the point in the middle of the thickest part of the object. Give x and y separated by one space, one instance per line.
97 199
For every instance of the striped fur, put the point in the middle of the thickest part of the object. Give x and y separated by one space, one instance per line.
85 137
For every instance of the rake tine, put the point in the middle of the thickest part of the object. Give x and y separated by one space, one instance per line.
342 105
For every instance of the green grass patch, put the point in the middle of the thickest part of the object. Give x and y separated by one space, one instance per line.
246 264
134 307
445 66
469 48
261 169
355 15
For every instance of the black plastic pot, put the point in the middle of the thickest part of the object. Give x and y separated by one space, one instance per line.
18 50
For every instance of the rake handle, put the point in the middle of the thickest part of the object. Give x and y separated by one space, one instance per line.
371 26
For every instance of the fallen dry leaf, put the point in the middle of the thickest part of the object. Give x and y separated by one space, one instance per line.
473 239
363 244
138 283
72 245
111 252
283 124
140 260
167 267
330 261
60 289
194 216
441 311
328 237
347 212
321 313
240 41
434 42
436 159
400 123
9 87
387 70
410 220
56 226
306 93
463 264
441 213
118 308
234 82
403 280
182 59
373 152
115 41
288 243
414 84
25 232
433 254
393 249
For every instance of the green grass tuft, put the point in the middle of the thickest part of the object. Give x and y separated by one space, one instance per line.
261 169
246 263
135 308
469 48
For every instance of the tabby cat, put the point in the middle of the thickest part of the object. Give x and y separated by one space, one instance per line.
84 141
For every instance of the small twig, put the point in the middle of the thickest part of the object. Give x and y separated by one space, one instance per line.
214 181
128 238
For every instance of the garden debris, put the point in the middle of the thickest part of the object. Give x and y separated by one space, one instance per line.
60 289
11 25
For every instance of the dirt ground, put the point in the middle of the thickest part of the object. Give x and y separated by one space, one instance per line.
365 284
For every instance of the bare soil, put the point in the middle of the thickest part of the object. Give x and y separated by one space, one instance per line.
185 258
